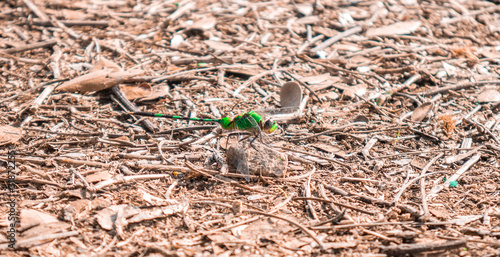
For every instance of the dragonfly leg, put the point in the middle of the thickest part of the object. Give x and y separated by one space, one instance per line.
251 141
251 144
235 134
245 138
256 131
227 140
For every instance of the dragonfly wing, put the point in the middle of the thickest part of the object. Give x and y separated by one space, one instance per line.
258 132
243 169
237 157
280 114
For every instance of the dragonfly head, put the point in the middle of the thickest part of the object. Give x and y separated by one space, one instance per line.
269 126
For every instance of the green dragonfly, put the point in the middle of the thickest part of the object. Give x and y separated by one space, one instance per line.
253 121
264 158
250 121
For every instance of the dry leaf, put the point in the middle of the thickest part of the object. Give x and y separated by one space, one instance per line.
98 80
9 134
421 112
328 148
346 47
248 70
75 208
305 9
450 69
361 118
157 92
316 79
107 217
399 28
353 91
440 212
448 123
462 220
40 223
203 24
105 64
31 217
151 199
330 95
466 52
46 228
97 177
308 20
489 95
132 92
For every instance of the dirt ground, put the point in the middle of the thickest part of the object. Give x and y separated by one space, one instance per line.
389 145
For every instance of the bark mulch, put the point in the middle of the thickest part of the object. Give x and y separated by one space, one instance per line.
391 148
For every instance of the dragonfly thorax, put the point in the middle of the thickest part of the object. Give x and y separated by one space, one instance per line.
226 123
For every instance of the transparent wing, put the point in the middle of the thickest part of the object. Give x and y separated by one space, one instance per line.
281 114
254 124
237 157
258 132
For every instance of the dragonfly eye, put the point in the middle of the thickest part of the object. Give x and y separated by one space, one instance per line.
270 126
